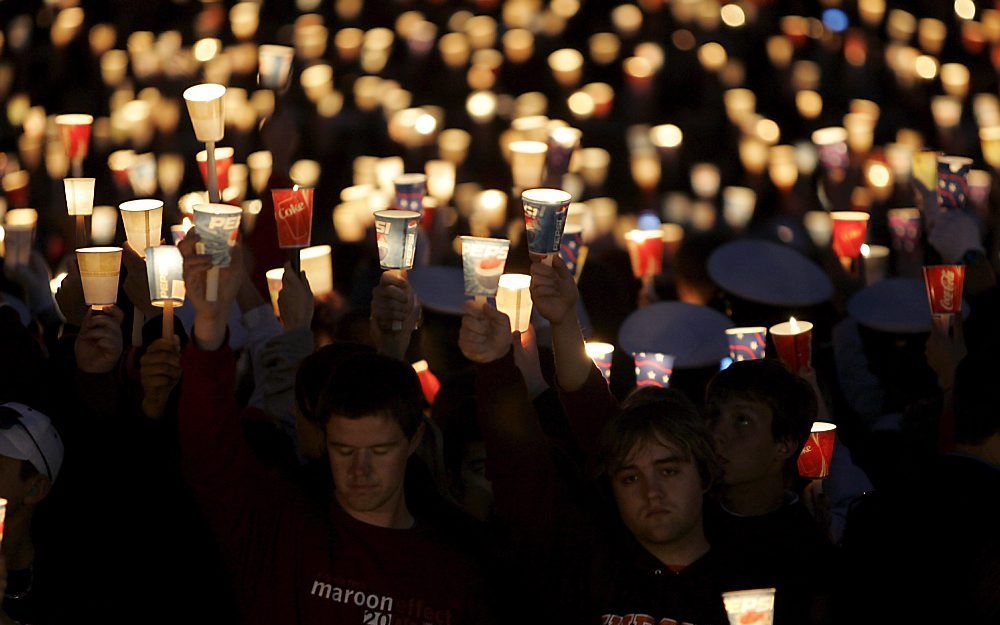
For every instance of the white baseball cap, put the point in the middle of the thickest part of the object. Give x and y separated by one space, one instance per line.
29 435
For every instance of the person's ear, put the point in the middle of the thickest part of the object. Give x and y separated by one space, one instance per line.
38 489
416 438
785 449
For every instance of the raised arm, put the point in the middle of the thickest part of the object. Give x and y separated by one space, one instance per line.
584 394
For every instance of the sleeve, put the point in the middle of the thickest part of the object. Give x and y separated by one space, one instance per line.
587 410
242 502
278 362
261 326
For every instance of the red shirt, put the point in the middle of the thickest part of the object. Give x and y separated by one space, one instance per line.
298 561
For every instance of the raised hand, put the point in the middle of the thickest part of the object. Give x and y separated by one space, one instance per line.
159 371
526 359
210 317
295 301
99 344
485 335
34 279
136 283
69 297
954 234
395 314
553 292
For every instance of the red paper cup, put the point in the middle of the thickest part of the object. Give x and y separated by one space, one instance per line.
645 250
223 161
944 288
293 211
429 383
849 231
75 131
793 342
817 453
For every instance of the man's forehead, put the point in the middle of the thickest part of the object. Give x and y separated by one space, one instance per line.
369 430
653 448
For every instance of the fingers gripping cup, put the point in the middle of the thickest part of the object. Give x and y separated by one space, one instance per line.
396 236
218 225
817 453
99 270
750 607
483 262
143 220
545 213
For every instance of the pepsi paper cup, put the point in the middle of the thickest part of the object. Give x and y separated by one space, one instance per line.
396 236
545 213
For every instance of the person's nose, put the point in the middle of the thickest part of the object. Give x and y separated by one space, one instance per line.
655 491
361 463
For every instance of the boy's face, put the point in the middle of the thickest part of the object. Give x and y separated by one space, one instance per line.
368 461
659 493
744 444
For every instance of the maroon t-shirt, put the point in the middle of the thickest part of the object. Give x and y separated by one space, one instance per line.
297 561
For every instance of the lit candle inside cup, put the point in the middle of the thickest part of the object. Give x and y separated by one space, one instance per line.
953 182
223 161
645 250
429 383
567 67
793 342
440 180
831 143
819 225
165 274
944 284
15 186
274 66
79 203
205 107
75 132
143 220
527 163
747 343
396 236
563 140
989 139
386 171
218 225
274 284
19 236
483 262
817 453
103 225
260 164
142 174
317 264
514 299
876 262
946 111
601 354
673 234
293 211
750 606
490 206
705 179
904 226
781 167
594 164
572 250
849 231
99 270
652 369
738 204
545 212
410 190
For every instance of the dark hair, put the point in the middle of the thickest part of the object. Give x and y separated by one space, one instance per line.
316 370
790 398
454 412
651 413
976 414
372 384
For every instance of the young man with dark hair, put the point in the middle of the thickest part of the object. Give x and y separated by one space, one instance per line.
761 414
357 555
644 559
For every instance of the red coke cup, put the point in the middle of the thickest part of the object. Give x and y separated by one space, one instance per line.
944 288
293 213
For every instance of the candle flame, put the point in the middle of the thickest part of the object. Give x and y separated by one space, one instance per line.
295 187
793 325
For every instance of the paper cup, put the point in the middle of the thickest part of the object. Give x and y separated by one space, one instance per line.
849 231
747 343
563 140
514 300
99 269
19 235
944 285
831 146
750 607
953 182
75 132
79 195
817 453
601 354
141 174
396 236
876 262
572 250
274 285
645 250
15 187
793 342
274 64
652 369
738 204
924 180
527 162
440 180
143 221
218 225
205 104
819 225
429 383
223 161
103 225
317 263
483 261
165 273
904 226
545 218
410 189
293 212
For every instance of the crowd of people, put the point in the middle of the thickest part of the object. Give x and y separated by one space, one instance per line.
289 462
